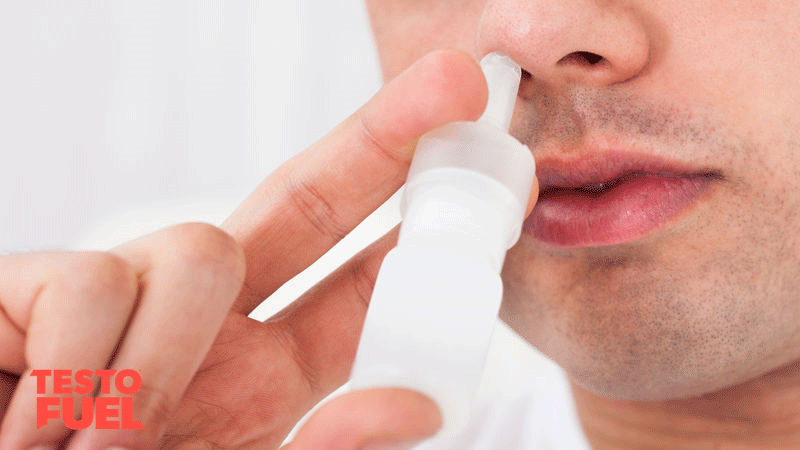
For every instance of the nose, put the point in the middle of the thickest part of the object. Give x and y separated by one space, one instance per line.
563 42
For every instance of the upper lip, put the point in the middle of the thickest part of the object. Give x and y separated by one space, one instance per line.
609 168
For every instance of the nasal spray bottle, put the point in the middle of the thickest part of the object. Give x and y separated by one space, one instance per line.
438 293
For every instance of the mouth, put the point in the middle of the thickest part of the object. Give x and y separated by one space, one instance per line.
612 199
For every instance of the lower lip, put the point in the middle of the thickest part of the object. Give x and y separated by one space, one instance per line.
626 212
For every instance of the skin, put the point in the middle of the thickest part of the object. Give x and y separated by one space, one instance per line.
686 338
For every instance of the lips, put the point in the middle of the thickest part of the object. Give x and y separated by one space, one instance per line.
612 199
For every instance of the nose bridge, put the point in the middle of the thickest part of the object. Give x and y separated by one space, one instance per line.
567 41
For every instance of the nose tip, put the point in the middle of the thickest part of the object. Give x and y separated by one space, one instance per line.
567 42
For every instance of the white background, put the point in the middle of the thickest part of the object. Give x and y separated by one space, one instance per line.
131 107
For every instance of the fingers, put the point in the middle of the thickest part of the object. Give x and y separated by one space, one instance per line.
152 307
73 308
312 201
46 280
278 369
370 419
190 275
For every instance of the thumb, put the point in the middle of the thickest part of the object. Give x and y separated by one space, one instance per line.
372 419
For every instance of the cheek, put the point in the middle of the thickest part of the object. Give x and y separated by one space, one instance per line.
745 66
406 30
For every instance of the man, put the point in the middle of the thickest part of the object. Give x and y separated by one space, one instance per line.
658 268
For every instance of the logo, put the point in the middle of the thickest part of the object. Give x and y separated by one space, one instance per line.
107 413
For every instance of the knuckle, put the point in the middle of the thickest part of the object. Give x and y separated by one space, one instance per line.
318 211
201 247
98 275
372 139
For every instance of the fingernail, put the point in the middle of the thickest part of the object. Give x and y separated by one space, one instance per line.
397 445
43 447
116 448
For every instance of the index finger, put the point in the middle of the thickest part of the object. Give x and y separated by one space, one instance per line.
311 202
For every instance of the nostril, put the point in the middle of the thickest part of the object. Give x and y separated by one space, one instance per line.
526 75
582 58
591 58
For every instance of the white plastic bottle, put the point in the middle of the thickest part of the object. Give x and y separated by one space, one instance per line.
437 294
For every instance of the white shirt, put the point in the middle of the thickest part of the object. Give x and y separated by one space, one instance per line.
541 417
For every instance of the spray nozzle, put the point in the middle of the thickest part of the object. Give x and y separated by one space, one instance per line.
503 76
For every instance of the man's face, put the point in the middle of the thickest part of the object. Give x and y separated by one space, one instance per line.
662 258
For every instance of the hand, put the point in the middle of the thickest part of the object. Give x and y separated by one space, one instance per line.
153 305
260 378
161 305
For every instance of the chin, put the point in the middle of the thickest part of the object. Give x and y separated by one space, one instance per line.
635 353
627 373
640 385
